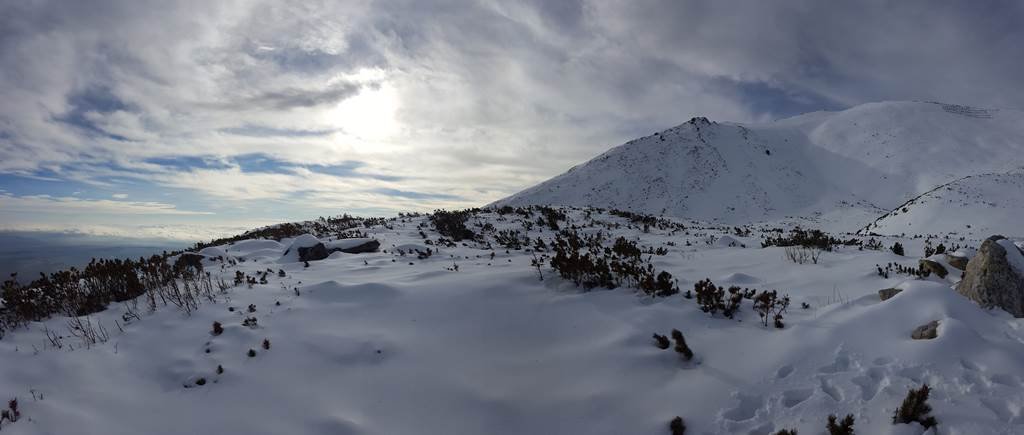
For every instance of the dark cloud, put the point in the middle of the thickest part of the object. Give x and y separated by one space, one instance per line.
286 99
414 195
264 131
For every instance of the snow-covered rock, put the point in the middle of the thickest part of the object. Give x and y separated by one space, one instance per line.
304 241
354 246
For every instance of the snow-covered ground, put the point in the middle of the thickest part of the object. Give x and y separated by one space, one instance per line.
384 343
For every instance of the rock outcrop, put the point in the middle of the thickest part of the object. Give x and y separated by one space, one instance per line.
313 253
369 246
320 251
991 280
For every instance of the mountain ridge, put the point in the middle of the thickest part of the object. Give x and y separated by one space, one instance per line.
875 157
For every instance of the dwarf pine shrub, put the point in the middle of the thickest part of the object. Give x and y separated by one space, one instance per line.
915 408
677 426
844 427
661 341
681 346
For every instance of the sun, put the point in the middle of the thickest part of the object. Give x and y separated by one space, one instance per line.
369 115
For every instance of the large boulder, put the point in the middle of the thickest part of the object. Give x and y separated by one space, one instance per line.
321 251
367 246
994 277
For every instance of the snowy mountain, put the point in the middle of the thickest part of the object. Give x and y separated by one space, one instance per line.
845 168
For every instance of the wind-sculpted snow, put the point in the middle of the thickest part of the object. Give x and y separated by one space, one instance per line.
840 170
394 342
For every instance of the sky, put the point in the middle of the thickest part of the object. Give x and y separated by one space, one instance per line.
194 119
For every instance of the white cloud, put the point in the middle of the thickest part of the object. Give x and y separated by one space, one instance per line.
119 195
67 205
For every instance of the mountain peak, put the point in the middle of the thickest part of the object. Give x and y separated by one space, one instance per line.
849 166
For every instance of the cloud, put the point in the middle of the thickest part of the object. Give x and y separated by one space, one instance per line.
67 205
447 103
119 195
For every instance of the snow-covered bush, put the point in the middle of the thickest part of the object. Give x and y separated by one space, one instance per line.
588 263
677 427
509 239
844 427
769 306
452 224
873 244
551 216
661 341
801 255
12 413
710 298
713 299
915 408
807 239
681 348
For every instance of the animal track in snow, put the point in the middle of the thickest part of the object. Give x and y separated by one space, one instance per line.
828 388
784 371
871 382
841 364
791 398
746 409
1005 410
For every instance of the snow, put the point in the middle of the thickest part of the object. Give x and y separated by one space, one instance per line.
1013 255
246 246
213 252
389 347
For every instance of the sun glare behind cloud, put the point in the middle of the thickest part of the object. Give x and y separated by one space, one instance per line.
369 115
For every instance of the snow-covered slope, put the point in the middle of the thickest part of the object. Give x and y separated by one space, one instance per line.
862 161
973 205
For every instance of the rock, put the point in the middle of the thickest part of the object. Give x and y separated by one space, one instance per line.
313 253
320 251
887 293
370 246
934 267
957 261
991 281
927 331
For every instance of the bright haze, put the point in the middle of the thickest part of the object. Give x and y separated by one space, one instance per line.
191 119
